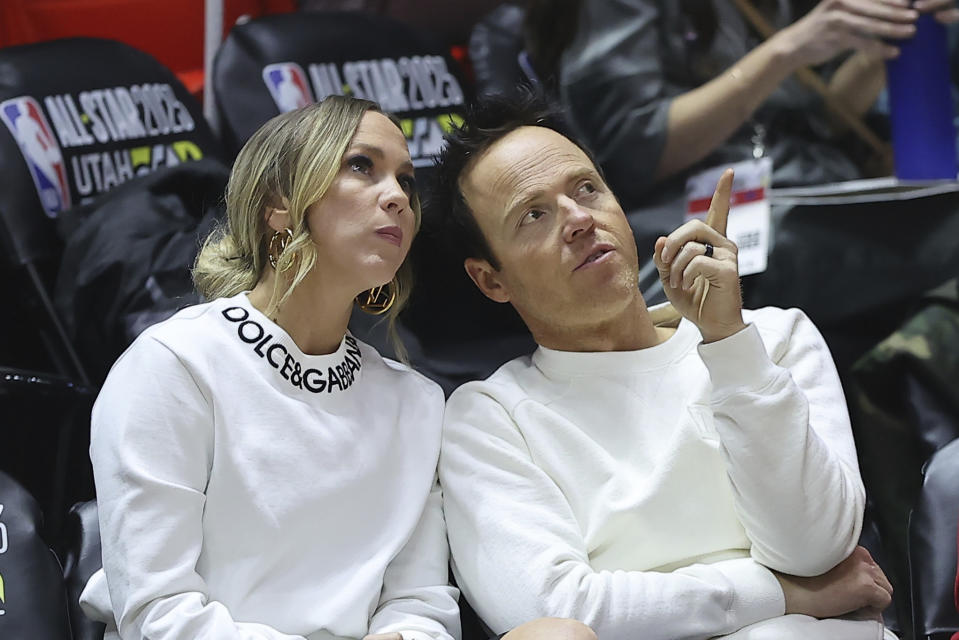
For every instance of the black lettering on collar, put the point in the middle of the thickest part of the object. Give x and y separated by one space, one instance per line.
340 377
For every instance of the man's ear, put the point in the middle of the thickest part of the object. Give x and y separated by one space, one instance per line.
487 279
277 219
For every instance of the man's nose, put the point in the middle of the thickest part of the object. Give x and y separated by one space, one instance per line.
576 220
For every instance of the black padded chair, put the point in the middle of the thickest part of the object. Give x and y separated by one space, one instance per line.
932 547
79 116
32 596
80 555
40 413
127 264
871 539
275 63
904 402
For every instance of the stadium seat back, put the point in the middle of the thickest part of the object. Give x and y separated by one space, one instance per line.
81 116
32 596
81 559
932 547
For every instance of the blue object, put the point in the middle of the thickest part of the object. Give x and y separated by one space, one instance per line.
920 102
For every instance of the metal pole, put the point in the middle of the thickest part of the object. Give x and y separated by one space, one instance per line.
58 327
212 36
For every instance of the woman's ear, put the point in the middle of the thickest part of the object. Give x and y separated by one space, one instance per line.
277 219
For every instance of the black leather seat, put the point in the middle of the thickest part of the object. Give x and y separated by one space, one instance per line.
904 402
32 597
932 547
871 539
127 264
45 438
79 117
80 554
275 63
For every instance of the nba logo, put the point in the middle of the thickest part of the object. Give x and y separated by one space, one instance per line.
287 84
29 127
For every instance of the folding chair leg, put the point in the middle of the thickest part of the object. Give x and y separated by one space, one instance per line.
57 325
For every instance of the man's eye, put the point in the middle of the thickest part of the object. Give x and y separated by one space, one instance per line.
587 187
361 164
532 216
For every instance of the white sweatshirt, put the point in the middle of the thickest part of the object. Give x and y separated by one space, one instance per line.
642 492
248 490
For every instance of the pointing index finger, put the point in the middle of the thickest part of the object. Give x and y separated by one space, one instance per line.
718 214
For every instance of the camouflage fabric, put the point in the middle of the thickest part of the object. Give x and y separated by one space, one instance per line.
904 400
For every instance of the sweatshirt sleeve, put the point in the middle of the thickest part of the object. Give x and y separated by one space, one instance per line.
416 599
152 447
788 443
519 554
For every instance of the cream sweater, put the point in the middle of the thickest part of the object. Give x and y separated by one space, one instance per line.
646 492
248 490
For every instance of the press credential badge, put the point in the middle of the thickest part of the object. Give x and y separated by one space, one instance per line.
749 212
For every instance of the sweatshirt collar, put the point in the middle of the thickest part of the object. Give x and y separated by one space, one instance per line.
575 363
270 343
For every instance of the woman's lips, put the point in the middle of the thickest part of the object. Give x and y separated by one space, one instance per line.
391 234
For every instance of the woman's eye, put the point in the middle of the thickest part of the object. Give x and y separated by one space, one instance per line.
409 184
361 164
532 216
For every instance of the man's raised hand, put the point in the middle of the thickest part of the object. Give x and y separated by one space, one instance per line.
699 269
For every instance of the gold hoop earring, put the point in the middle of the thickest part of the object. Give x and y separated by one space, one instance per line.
278 244
378 300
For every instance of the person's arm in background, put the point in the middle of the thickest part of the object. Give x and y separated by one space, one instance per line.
856 84
613 83
702 119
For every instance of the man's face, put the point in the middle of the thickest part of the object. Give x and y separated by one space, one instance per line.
567 254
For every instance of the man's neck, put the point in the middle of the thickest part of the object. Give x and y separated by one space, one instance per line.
630 330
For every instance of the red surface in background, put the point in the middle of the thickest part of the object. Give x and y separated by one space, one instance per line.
169 30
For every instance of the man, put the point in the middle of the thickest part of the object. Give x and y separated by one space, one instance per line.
649 481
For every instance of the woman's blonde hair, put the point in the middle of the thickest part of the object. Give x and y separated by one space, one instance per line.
289 163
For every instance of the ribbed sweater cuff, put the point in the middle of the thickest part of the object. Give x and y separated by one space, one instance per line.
739 362
757 594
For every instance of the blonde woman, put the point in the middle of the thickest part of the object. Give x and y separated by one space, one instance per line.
260 472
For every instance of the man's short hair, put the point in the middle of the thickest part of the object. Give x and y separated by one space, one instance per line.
487 121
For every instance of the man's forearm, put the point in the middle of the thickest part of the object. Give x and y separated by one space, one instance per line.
788 449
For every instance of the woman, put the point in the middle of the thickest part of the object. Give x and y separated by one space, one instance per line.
261 473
